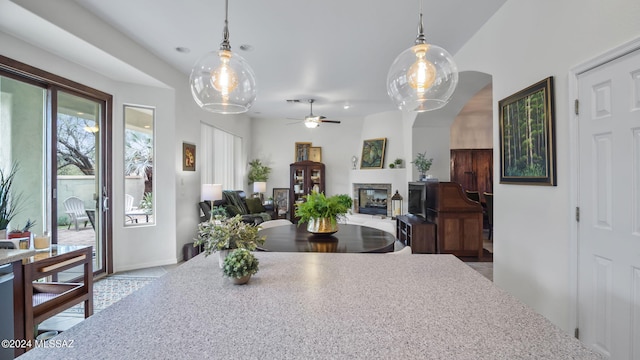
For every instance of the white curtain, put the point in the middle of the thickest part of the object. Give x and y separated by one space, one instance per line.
221 158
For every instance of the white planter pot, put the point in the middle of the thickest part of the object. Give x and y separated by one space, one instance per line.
222 254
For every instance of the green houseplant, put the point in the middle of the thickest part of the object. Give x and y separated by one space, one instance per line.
221 235
321 213
9 202
422 164
239 265
258 171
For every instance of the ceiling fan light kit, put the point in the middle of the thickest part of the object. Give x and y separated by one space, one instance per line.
222 81
423 77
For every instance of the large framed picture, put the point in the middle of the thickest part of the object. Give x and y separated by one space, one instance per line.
188 157
527 136
281 201
373 153
302 151
315 153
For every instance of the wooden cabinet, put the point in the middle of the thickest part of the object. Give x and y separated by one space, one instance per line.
305 177
458 219
418 233
473 169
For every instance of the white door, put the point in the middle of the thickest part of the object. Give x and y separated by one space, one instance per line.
609 198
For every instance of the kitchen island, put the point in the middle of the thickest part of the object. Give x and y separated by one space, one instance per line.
319 306
8 256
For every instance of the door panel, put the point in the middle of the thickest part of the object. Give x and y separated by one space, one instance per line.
609 198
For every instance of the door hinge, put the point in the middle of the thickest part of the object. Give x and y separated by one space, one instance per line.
577 213
577 106
576 333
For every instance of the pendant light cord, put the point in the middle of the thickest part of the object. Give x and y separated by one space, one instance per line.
224 45
420 39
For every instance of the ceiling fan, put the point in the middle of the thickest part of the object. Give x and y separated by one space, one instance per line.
313 121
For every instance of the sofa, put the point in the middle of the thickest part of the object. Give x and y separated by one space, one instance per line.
235 202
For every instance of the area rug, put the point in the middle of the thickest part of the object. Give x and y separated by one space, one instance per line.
112 289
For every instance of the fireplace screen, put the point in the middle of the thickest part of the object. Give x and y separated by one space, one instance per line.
372 201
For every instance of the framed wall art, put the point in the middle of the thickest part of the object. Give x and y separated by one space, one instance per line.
188 157
315 154
302 151
373 153
527 136
281 201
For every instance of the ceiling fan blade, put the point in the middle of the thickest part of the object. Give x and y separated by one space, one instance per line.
330 121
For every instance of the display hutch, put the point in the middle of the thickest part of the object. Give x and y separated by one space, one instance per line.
305 177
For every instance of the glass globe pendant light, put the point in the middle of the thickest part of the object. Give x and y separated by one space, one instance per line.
222 81
423 77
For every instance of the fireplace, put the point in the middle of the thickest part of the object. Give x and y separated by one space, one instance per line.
372 199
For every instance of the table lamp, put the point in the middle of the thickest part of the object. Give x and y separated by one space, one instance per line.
211 192
259 187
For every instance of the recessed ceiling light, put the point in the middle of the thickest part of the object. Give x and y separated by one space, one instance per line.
183 50
246 47
346 106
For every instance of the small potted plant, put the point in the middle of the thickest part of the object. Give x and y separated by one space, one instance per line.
398 163
9 202
321 213
223 235
239 265
23 233
422 164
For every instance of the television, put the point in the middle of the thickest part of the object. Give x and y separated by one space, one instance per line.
417 201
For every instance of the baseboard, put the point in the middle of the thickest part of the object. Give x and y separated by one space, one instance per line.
146 265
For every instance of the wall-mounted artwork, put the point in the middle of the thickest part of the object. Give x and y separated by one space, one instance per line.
302 151
315 153
188 157
527 139
373 153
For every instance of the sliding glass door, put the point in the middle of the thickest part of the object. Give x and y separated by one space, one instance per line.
56 134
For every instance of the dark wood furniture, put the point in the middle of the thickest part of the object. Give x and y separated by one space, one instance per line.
418 233
305 176
36 301
349 239
473 169
458 219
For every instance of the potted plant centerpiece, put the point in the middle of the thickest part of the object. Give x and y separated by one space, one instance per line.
20 233
422 164
239 265
321 213
223 235
9 202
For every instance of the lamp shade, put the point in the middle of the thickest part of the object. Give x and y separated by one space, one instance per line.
422 78
259 187
223 82
211 192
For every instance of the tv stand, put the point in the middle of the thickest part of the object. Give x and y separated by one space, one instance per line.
418 233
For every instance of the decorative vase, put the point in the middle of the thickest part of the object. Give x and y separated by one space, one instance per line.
222 254
322 226
241 280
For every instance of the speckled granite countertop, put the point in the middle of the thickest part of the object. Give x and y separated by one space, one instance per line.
9 256
320 306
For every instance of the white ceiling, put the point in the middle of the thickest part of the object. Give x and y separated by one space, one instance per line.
335 51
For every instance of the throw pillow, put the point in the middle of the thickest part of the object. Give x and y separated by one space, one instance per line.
255 205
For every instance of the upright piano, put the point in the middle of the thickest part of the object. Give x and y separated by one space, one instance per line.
458 219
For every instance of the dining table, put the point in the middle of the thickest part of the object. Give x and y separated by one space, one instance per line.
349 238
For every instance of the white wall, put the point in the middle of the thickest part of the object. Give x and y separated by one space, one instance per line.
273 142
524 42
177 119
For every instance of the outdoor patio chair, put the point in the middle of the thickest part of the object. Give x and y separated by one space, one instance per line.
75 209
